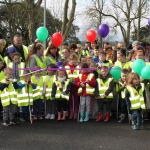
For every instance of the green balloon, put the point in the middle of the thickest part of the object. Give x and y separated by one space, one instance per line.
145 73
116 72
42 34
138 65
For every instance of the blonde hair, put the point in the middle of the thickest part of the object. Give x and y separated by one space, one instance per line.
131 77
120 45
8 69
79 46
3 41
73 56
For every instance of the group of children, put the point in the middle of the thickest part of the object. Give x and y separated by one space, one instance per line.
75 85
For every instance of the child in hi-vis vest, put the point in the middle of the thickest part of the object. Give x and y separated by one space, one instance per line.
37 79
25 95
86 83
60 92
104 95
135 98
8 97
49 79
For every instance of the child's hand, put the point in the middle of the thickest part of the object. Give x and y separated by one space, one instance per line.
82 84
7 82
98 97
105 96
87 81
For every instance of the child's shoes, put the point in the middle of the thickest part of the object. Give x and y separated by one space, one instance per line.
52 116
35 117
40 117
48 116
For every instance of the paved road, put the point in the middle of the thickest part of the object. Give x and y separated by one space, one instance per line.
70 135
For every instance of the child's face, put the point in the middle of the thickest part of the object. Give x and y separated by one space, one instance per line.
37 74
136 81
124 76
96 52
139 55
104 73
83 60
1 64
89 60
92 65
120 57
16 59
10 55
102 57
61 74
9 74
27 78
50 72
73 61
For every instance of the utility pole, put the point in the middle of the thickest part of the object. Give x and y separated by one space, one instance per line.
45 21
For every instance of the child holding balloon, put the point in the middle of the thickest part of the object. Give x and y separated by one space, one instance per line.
135 98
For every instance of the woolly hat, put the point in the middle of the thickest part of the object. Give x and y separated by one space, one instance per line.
11 50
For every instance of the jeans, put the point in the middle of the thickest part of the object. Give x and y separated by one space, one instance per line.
137 116
9 111
37 107
123 106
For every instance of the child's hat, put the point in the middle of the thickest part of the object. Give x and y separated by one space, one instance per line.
11 50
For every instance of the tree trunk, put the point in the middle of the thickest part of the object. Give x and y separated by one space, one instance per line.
68 22
139 21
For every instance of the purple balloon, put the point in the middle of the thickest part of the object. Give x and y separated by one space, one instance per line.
149 21
103 30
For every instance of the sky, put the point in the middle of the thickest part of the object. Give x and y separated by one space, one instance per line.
82 23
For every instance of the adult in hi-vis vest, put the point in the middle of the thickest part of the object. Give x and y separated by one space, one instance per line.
52 55
37 58
86 83
73 72
20 48
104 95
8 97
135 98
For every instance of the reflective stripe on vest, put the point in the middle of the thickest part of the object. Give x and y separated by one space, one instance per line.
136 99
2 76
39 63
123 91
49 84
37 93
8 94
23 97
85 53
89 89
52 60
7 60
73 75
20 65
59 94
103 87
25 50
126 65
1 58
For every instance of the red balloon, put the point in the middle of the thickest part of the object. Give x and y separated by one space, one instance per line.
91 35
57 39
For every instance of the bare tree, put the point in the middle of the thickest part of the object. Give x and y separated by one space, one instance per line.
140 11
94 15
68 18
